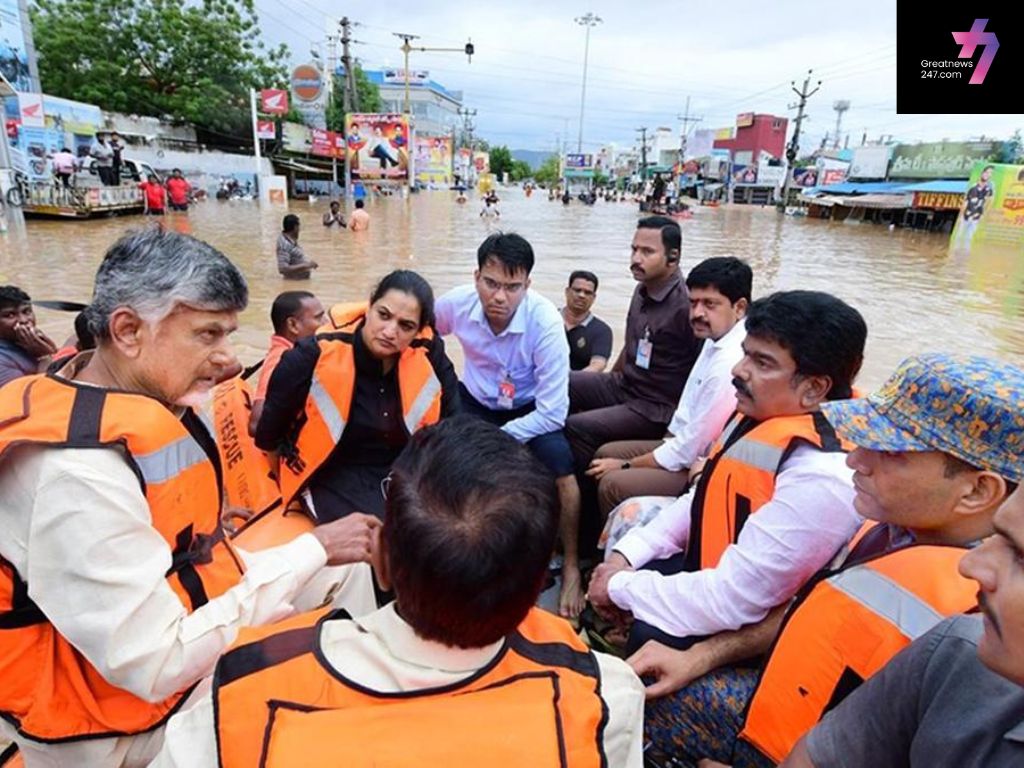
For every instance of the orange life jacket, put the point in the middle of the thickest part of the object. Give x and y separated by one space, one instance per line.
846 625
277 705
739 477
249 478
332 387
50 692
273 527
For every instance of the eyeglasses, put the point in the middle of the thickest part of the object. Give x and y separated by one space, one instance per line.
494 286
385 484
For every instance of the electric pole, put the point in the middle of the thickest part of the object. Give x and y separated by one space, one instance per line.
589 21
684 131
349 98
406 48
794 144
643 152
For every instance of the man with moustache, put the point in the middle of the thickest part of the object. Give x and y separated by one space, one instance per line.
955 696
929 490
773 503
590 338
636 400
719 290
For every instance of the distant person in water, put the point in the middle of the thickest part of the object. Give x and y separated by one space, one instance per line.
292 261
360 219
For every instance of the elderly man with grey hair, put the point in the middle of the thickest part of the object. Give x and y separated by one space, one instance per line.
118 588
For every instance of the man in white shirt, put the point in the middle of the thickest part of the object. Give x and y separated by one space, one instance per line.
774 502
516 373
461 668
121 589
719 290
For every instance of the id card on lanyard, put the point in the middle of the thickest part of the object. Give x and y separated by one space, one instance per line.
506 392
645 350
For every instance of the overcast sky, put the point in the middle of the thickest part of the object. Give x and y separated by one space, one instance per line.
645 59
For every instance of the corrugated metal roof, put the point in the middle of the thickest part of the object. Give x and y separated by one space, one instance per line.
958 186
861 187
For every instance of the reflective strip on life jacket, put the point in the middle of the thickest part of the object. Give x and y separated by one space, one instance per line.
328 410
884 597
170 461
424 400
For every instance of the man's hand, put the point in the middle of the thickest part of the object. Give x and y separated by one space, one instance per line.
671 669
33 340
597 593
571 599
314 265
348 540
233 517
601 467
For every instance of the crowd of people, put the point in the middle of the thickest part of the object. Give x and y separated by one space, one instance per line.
757 564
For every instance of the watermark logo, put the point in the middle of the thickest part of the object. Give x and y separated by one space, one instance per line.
970 40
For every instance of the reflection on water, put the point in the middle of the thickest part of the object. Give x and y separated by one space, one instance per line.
914 294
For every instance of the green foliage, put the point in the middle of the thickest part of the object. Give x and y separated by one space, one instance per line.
549 171
521 170
192 60
367 93
501 161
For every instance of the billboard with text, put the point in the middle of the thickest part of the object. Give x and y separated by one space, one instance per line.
378 145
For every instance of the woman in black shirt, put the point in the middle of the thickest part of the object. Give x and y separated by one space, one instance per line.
340 406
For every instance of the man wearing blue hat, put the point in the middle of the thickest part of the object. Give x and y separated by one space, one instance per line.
937 451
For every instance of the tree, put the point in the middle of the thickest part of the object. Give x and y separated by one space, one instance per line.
521 170
192 60
550 171
367 93
501 161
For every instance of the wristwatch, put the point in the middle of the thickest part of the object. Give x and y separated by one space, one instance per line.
625 465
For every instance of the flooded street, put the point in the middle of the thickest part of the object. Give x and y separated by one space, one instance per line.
914 294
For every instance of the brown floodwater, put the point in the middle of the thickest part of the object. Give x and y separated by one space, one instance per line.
914 293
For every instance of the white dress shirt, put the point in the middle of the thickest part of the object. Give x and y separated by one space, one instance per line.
532 351
808 519
708 399
77 527
381 652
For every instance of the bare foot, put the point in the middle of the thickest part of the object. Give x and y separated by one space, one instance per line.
571 600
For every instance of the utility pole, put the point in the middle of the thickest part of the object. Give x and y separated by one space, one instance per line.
794 144
643 152
332 69
589 21
349 99
684 131
840 107
467 116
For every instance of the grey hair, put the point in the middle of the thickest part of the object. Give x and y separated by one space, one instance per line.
153 271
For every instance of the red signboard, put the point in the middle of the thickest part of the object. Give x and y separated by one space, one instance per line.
327 143
274 101
265 129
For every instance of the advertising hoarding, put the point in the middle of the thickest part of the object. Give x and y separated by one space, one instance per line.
940 159
378 146
993 211
13 49
434 159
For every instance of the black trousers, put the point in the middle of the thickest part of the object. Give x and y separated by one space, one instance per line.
641 631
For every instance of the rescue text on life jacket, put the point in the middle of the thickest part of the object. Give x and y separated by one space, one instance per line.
845 626
739 477
50 692
278 704
331 390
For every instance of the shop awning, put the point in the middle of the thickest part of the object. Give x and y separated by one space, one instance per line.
864 201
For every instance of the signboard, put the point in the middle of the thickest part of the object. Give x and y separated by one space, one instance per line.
832 176
72 116
31 107
939 200
308 92
397 76
482 162
771 175
265 129
13 50
327 143
744 119
744 175
296 137
870 163
434 159
725 134
579 162
940 160
805 177
993 211
378 146
700 143
274 101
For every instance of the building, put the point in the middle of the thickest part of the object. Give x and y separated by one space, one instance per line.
435 109
756 136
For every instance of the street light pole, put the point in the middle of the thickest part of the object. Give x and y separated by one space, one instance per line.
588 21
